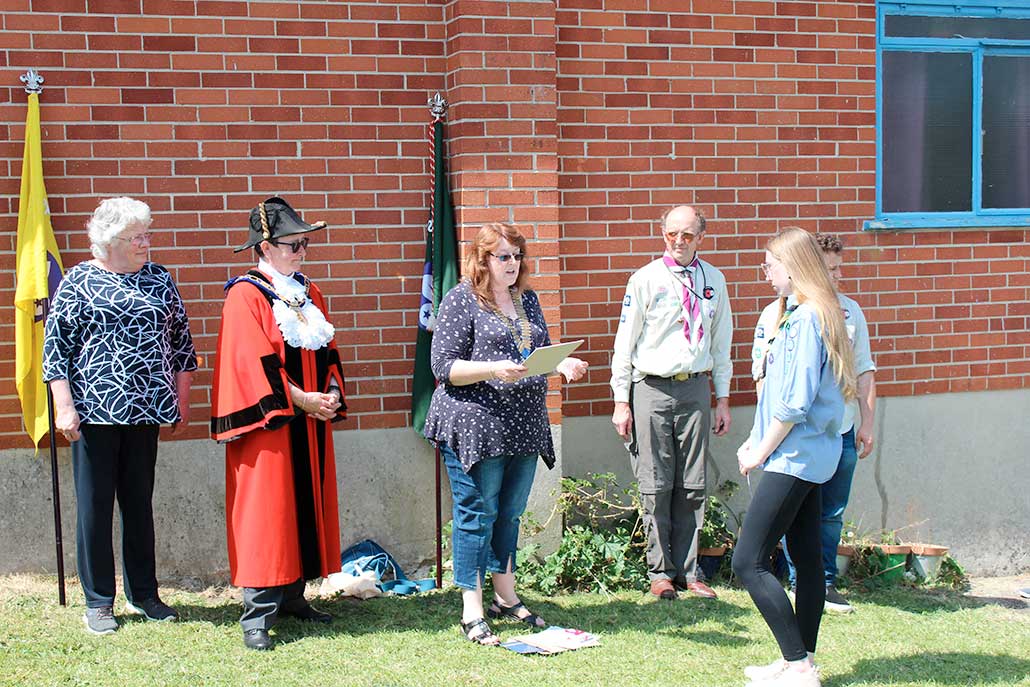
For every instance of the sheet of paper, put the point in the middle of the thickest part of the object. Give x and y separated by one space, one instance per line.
543 360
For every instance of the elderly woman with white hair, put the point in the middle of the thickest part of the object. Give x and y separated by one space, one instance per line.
119 357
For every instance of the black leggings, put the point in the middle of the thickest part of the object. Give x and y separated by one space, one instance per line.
784 505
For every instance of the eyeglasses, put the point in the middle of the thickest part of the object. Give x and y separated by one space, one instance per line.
505 257
685 237
295 246
767 266
138 240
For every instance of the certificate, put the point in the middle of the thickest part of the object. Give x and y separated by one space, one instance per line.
543 360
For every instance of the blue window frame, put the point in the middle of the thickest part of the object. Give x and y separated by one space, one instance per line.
944 73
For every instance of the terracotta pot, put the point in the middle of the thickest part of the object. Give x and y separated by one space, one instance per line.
710 560
926 560
844 554
928 549
894 549
713 551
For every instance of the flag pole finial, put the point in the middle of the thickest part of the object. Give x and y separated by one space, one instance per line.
438 106
33 81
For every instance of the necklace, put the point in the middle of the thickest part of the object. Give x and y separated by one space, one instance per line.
295 303
523 334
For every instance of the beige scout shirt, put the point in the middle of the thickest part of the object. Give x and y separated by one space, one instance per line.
858 334
650 339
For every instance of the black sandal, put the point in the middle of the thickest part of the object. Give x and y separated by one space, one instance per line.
483 635
496 611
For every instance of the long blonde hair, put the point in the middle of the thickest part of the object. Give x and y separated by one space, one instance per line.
801 256
476 269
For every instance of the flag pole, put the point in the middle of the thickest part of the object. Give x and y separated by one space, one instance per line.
33 81
438 110
55 479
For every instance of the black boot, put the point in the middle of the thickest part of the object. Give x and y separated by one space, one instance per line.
257 640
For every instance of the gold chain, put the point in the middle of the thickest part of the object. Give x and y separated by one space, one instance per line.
523 335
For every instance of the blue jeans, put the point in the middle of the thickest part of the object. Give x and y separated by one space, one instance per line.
489 501
835 495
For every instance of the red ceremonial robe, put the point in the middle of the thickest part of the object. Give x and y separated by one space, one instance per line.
281 511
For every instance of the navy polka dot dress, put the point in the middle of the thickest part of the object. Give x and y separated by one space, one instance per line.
491 418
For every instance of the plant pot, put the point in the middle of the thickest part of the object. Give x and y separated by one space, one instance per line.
926 559
710 560
890 561
845 552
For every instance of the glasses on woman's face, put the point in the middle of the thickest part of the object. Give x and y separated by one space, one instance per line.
139 240
768 267
294 246
505 257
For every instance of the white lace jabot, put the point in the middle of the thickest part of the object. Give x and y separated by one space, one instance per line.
302 324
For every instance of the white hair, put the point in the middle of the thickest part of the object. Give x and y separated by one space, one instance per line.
111 218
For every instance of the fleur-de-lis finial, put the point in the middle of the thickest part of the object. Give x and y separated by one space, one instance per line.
33 81
438 106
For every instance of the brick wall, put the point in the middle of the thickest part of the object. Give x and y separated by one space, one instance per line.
204 108
579 120
762 114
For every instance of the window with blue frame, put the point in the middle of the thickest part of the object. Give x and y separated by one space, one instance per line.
953 114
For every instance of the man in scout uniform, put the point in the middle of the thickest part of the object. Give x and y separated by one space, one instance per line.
674 334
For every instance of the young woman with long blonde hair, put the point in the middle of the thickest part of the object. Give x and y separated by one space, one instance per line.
809 374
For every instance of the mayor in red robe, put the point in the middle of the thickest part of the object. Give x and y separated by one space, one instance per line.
278 387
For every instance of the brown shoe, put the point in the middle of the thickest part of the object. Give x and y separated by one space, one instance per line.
701 589
663 589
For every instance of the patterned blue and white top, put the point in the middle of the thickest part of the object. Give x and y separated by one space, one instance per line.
491 418
119 340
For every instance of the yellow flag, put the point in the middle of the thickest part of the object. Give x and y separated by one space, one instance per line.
39 271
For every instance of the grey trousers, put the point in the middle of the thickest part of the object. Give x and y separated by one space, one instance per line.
261 605
671 423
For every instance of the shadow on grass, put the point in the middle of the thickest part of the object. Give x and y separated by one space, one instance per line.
929 600
958 668
440 611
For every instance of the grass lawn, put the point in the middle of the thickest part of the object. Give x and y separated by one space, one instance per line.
896 637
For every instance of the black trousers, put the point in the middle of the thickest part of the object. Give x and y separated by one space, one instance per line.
262 605
115 462
784 505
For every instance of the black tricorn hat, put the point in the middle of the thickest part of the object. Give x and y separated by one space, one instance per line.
274 219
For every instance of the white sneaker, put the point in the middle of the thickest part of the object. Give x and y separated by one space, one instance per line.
791 677
767 672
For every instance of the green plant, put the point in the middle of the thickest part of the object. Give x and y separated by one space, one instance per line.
602 545
716 531
950 576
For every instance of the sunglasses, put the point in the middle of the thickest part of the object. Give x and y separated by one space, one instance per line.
505 257
685 237
295 246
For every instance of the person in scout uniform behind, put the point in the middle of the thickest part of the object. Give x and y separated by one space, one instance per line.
857 427
675 330
278 386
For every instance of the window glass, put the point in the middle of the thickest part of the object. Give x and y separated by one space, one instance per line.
956 27
927 131
1006 132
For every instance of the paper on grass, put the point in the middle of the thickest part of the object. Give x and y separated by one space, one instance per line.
543 360
553 640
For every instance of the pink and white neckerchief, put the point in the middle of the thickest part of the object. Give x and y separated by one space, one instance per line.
692 327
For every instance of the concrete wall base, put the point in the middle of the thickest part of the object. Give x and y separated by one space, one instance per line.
947 469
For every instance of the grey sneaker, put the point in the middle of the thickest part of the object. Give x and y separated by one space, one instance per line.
100 621
835 603
152 609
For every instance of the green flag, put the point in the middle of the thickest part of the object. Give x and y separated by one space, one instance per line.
439 275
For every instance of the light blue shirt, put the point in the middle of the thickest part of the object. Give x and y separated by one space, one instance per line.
800 388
